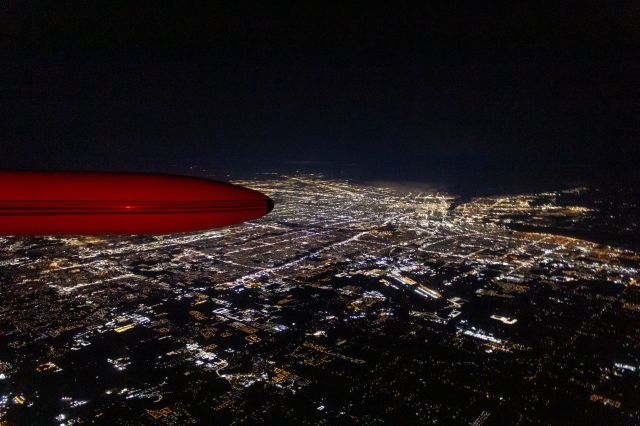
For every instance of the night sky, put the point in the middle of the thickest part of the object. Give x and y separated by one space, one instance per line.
451 92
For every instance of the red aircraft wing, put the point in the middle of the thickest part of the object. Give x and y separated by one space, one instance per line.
92 203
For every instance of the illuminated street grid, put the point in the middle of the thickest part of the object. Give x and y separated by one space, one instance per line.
348 303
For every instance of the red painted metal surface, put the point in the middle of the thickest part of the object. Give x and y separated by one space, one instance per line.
92 203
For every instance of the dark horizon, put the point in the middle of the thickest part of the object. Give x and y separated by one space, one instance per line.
461 94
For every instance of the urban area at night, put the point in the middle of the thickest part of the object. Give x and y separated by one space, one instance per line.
349 303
